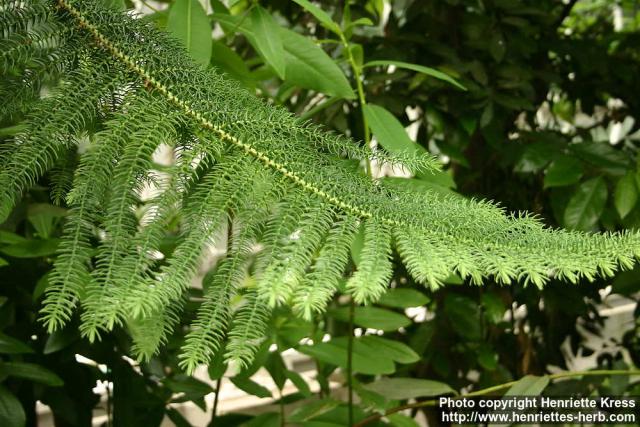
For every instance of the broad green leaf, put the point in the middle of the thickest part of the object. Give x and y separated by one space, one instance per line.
249 386
41 286
487 357
408 388
529 385
365 22
312 410
218 366
399 420
44 218
3 262
277 370
10 345
626 194
372 317
603 156
11 412
493 306
9 238
334 352
270 419
563 170
389 131
32 372
394 350
34 248
60 339
177 418
320 15
190 386
464 316
307 65
188 22
299 382
586 205
418 184
228 61
418 68
267 39
403 298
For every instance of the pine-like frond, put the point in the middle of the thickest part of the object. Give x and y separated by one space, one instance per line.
79 74
120 223
319 285
291 242
374 269
248 329
210 327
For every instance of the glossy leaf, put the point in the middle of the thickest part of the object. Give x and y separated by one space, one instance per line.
267 39
230 62
626 194
403 298
9 238
313 409
31 372
188 22
334 352
320 15
586 205
34 248
418 68
249 386
372 317
11 412
307 65
529 385
389 131
408 388
10 345
299 382
562 171
394 350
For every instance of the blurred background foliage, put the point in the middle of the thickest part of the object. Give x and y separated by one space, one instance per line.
544 118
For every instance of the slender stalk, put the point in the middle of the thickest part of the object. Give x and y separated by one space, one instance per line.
216 398
109 383
281 403
493 389
357 75
350 362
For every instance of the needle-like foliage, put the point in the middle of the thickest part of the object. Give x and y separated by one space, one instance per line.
117 89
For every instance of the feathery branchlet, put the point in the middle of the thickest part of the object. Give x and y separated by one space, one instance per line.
117 89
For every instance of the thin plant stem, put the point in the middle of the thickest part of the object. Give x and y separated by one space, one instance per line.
281 403
493 389
109 383
216 399
357 75
350 362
